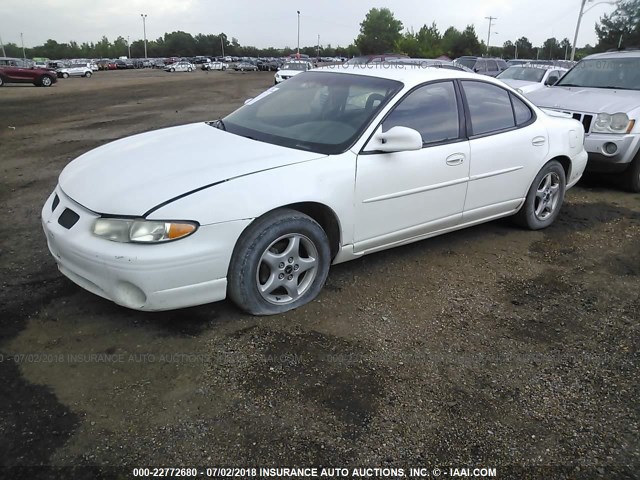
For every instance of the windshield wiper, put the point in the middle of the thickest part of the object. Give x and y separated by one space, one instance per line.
568 85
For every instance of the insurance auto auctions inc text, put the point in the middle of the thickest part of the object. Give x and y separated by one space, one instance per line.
375 472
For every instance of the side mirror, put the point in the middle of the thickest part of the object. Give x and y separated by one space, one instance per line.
397 139
552 81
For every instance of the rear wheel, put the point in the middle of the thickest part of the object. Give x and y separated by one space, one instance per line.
544 199
632 175
1 81
88 74
281 262
46 81
65 75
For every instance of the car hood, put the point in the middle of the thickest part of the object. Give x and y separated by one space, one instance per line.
587 100
133 175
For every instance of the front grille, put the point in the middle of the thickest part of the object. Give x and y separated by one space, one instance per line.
68 218
583 118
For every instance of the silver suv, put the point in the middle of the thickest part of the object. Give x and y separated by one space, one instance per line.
603 92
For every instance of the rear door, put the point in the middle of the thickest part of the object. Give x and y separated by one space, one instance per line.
507 148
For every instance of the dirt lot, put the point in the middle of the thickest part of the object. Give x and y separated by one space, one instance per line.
492 346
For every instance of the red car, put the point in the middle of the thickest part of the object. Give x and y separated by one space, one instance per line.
17 70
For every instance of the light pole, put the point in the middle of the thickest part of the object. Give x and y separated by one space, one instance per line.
144 32
2 45
129 46
24 57
516 45
298 33
582 12
491 19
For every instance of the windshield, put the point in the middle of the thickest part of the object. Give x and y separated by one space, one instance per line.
622 73
319 112
467 62
295 66
527 74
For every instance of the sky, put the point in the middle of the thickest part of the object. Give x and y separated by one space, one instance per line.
274 23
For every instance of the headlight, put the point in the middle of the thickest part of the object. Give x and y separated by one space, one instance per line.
616 123
141 231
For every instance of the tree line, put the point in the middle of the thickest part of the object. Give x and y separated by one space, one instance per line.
380 32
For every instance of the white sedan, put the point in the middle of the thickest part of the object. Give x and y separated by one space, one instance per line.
180 67
329 166
291 69
75 70
531 77
214 66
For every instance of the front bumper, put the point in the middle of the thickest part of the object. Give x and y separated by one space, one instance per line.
627 146
187 272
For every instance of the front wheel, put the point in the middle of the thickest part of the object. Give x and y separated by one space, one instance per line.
46 81
88 74
65 75
281 262
1 81
173 69
544 199
189 69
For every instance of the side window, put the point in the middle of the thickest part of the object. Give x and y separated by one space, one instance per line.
489 107
481 65
432 110
492 66
521 110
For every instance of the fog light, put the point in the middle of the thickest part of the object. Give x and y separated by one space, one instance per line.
610 148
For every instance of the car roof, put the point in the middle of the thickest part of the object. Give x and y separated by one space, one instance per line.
616 54
404 73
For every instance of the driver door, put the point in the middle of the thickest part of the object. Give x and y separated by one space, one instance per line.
408 194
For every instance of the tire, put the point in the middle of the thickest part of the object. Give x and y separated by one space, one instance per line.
1 81
88 74
65 75
173 69
281 262
189 69
632 175
544 198
46 81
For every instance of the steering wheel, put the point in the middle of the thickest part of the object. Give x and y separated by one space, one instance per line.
372 99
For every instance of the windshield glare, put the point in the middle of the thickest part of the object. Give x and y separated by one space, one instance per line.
320 112
527 74
622 73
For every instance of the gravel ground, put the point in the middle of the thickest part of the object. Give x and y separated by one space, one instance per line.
492 346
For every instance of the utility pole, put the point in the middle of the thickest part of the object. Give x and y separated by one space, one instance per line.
144 32
580 14
24 57
491 19
222 43
516 45
318 55
298 33
2 45
129 46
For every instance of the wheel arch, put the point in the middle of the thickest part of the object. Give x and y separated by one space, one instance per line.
321 213
565 162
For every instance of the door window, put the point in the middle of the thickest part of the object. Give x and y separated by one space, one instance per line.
489 106
432 110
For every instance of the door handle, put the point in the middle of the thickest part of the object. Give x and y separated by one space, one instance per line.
538 141
455 159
